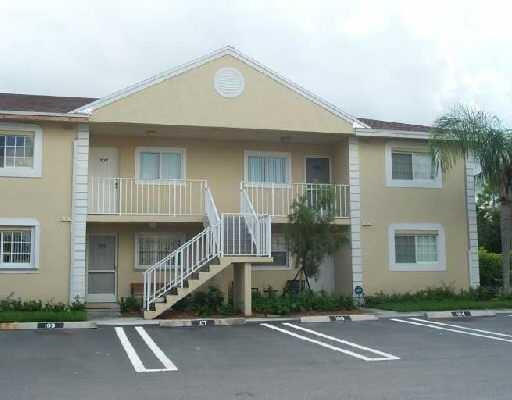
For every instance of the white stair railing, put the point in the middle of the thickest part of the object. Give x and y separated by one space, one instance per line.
210 208
244 234
173 270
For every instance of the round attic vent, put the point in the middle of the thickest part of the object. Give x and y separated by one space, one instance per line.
229 82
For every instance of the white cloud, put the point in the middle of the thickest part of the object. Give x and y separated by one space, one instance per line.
395 60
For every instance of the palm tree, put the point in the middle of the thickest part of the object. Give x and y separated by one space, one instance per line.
464 132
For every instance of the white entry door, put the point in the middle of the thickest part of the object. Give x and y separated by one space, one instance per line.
101 268
103 180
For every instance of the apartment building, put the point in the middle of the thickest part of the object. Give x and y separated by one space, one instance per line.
186 180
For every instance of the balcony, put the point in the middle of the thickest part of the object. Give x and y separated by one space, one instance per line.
277 199
129 199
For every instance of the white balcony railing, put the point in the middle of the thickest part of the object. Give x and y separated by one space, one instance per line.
130 196
277 199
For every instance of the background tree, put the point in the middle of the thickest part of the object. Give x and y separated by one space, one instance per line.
311 234
465 132
488 218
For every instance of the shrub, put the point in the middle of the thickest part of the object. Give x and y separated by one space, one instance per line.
490 268
130 304
11 304
301 302
431 294
204 303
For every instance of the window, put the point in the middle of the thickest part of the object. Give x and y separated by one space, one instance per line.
20 150
18 239
411 168
416 247
279 253
16 151
152 247
153 163
267 167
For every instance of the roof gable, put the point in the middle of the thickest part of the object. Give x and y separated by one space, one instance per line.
95 107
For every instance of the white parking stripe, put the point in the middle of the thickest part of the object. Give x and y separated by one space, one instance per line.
322 344
138 366
462 327
451 330
357 346
168 364
130 351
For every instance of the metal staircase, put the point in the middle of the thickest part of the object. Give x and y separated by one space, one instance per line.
226 239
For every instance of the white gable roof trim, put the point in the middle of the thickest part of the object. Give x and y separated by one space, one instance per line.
228 50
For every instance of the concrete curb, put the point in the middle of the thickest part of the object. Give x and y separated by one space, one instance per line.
459 314
126 322
47 325
334 318
175 323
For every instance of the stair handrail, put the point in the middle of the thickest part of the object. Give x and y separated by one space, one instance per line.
172 270
212 214
250 217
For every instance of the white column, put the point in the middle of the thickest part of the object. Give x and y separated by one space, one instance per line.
355 212
79 213
474 271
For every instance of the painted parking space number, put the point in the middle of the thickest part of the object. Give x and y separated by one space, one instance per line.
50 325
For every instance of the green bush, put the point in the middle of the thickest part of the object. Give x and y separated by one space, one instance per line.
10 304
301 302
490 268
130 304
205 303
431 295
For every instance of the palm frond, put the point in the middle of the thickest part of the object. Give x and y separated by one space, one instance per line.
464 131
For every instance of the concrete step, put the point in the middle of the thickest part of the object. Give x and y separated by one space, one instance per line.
102 310
197 279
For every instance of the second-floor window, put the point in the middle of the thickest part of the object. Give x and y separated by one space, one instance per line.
267 167
160 164
16 151
411 166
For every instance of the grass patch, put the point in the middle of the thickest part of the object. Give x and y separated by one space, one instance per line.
43 316
440 299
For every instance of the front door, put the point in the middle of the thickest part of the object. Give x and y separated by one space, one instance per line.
101 268
103 180
318 172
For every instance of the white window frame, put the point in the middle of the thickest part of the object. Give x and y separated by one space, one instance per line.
23 223
270 267
439 265
177 235
318 156
255 153
37 167
159 149
436 182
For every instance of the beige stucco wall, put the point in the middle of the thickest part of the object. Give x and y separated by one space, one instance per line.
127 273
222 162
47 199
190 99
382 206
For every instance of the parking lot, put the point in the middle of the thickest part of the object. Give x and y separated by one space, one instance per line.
398 358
